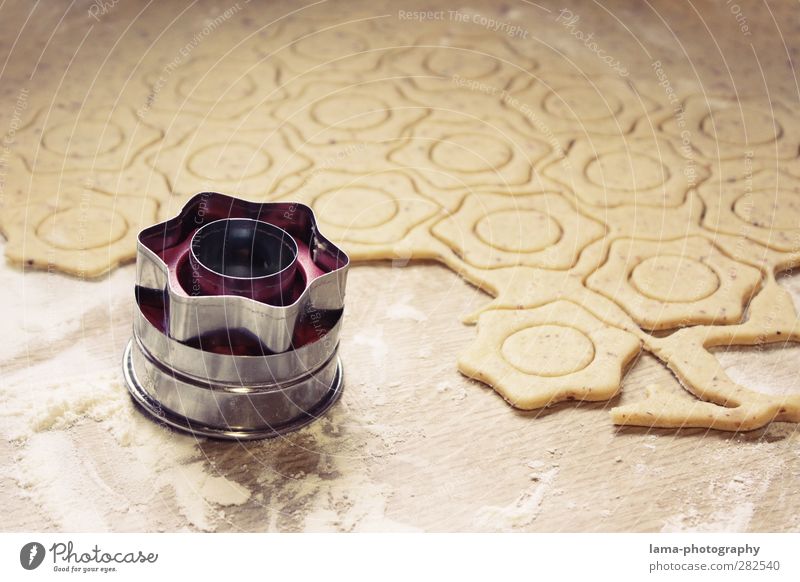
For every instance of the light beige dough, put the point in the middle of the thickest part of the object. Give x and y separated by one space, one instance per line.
380 208
665 285
537 357
479 59
538 230
722 129
250 165
94 140
580 104
764 208
80 232
216 87
638 171
598 226
450 151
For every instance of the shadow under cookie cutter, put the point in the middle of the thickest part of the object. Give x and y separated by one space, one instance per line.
238 311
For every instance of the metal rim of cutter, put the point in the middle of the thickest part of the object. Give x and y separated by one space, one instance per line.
151 407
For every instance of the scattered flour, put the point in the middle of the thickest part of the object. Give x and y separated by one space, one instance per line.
757 368
133 461
732 502
457 393
403 309
521 512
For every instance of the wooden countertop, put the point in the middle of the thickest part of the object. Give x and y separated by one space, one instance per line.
412 444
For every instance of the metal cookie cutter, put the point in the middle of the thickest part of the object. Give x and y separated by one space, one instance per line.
239 310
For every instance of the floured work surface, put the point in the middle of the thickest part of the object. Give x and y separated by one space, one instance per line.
612 193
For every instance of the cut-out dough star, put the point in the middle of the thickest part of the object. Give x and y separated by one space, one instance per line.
97 141
537 357
212 87
481 58
355 126
245 164
765 209
85 233
732 129
581 105
536 230
635 171
452 152
670 284
362 210
339 47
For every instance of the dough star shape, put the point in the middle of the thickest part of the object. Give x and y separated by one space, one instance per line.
726 129
765 209
627 171
213 87
537 357
591 105
666 285
95 141
82 232
537 230
455 152
243 164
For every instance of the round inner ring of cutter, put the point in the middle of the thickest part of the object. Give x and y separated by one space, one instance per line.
243 248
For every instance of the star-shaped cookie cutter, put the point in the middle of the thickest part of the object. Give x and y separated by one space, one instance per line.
239 309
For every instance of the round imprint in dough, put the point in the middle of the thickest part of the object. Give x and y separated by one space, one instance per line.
769 209
674 279
356 207
741 126
582 104
518 231
628 171
228 162
470 153
352 112
453 61
77 229
548 350
219 85
330 45
86 140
